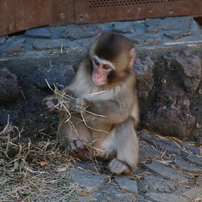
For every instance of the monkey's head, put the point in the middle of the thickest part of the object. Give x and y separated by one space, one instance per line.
112 56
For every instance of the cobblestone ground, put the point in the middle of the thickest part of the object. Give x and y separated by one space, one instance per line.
169 169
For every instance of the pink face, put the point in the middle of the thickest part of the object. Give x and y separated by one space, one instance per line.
101 69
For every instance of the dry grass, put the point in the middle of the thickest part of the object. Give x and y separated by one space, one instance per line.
33 171
62 105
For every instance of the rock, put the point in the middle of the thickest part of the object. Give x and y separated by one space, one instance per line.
147 151
127 184
124 27
155 184
39 33
85 198
162 144
170 114
89 181
113 195
166 24
175 35
190 147
9 88
46 44
193 194
144 74
167 172
139 27
190 65
16 47
145 39
7 116
34 105
194 159
199 181
3 40
74 32
160 197
186 166
59 75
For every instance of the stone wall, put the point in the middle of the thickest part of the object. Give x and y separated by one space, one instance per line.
168 68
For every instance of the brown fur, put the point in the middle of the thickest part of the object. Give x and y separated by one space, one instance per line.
114 132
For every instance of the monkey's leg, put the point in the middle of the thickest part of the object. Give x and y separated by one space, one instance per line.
127 148
73 135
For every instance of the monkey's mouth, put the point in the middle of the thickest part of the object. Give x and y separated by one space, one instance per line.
99 82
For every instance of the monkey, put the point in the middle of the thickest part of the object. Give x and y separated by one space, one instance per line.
104 106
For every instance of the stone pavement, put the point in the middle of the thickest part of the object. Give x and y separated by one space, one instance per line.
169 169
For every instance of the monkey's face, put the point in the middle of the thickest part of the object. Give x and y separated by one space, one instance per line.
101 70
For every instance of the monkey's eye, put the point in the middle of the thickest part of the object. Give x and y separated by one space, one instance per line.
106 67
96 62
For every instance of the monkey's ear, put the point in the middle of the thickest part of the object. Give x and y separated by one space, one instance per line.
132 54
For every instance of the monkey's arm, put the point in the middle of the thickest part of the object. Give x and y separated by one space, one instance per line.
105 111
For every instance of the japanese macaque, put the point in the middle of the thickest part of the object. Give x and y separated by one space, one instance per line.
103 105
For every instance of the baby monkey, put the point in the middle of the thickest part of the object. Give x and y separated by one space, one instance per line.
106 119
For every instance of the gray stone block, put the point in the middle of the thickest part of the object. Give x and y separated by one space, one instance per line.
124 27
89 181
113 195
175 35
186 166
59 75
46 44
199 181
127 184
74 32
86 199
190 147
145 39
160 197
39 33
194 159
148 152
16 47
167 172
170 23
162 144
155 184
3 40
193 194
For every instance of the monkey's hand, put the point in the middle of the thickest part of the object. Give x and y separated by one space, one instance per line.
78 148
51 103
79 104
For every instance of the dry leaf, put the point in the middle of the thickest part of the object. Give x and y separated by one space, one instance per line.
50 127
43 163
83 194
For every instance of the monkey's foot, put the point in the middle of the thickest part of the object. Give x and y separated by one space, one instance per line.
78 148
51 103
119 167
